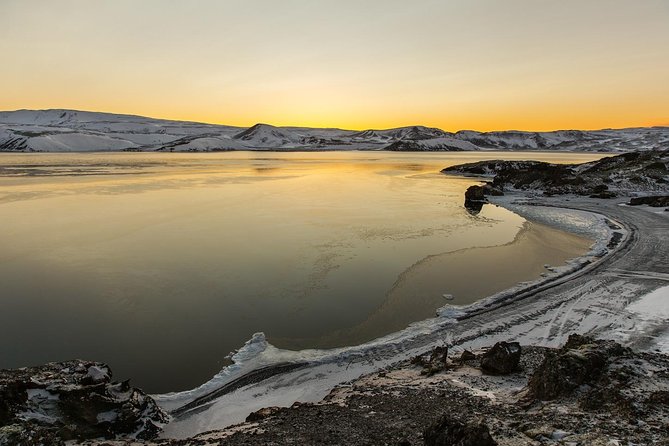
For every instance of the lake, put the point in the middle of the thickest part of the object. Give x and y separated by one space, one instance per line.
161 264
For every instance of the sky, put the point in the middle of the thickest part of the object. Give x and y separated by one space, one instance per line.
453 64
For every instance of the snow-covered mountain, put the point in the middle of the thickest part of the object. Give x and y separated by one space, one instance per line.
608 140
78 131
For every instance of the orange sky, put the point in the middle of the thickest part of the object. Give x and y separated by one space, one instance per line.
484 65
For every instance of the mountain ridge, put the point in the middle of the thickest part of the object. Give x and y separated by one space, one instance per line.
65 130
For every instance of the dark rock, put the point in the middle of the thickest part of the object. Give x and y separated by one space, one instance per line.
262 413
653 201
474 207
475 199
439 354
582 360
475 193
503 358
449 431
74 400
419 360
467 356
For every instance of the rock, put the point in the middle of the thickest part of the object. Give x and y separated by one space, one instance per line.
503 358
439 355
449 431
653 201
467 356
74 400
581 361
475 199
475 193
262 413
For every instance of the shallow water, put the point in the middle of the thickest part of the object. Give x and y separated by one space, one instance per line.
161 264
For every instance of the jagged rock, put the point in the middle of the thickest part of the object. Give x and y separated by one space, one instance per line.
503 358
73 400
581 361
449 431
467 356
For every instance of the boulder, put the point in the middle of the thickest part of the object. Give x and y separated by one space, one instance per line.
475 193
503 358
582 360
450 431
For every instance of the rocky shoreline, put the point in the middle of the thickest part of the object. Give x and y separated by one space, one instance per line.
621 175
588 392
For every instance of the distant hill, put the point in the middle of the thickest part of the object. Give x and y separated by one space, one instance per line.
81 131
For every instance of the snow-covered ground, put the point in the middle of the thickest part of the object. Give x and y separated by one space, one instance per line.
78 131
608 293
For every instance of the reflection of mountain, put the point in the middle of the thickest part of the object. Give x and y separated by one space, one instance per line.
72 131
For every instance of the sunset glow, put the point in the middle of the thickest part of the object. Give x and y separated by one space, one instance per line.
484 65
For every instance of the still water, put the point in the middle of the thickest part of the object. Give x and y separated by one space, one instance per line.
161 264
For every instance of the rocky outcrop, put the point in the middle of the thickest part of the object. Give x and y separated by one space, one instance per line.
630 172
503 358
450 431
73 400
